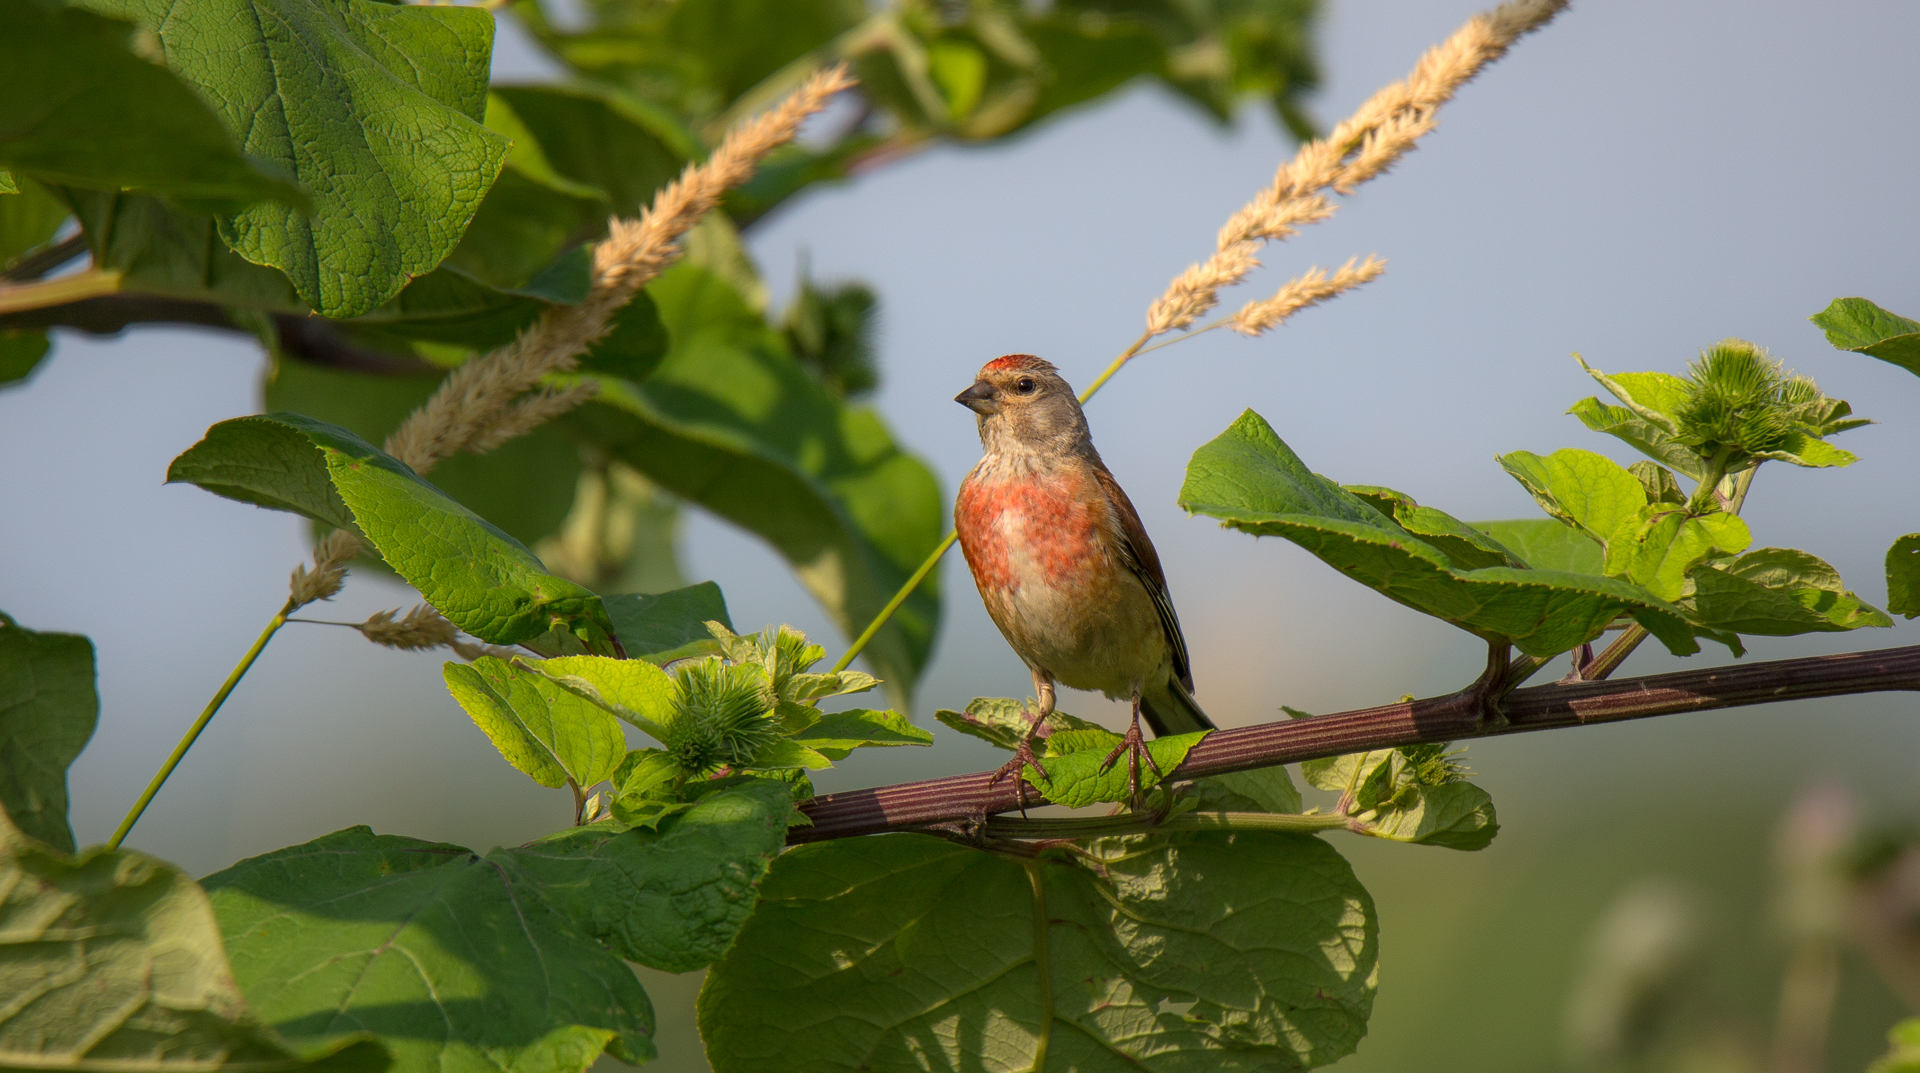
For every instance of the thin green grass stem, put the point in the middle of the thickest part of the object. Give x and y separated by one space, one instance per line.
200 724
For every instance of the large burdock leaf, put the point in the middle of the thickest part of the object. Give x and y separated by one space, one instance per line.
1858 325
731 422
1779 592
485 581
375 109
1253 482
468 964
83 110
112 961
905 952
48 709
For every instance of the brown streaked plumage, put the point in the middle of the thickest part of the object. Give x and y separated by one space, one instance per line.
1061 560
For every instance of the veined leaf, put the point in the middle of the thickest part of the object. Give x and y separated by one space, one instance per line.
84 110
1779 592
1468 548
1661 543
671 899
160 249
1001 722
1639 433
670 625
468 964
525 486
1074 758
731 422
113 961
1267 789
597 142
545 731
20 354
867 953
1903 576
375 109
1546 544
1579 487
1655 397
1252 481
48 710
29 218
839 733
485 581
1860 326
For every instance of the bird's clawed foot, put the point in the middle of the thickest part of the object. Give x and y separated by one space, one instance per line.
1023 755
1134 746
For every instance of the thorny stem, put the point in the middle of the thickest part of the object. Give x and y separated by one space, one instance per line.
1471 713
200 724
933 558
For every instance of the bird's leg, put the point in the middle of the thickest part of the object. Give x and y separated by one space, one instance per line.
1135 747
1023 753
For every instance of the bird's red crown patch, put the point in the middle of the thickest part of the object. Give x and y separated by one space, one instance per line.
1024 362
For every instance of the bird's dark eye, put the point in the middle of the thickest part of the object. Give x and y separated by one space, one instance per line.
1024 385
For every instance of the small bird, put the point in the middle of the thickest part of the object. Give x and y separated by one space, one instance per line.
1063 564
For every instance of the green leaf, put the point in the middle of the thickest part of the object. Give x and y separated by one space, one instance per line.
1660 544
113 961
1074 758
1001 722
1860 326
455 962
1903 1049
485 581
1545 544
1803 450
525 486
48 710
1455 815
1465 546
20 354
547 732
670 625
160 249
29 218
1639 433
633 689
1579 487
839 733
674 899
375 109
871 954
1267 789
1903 576
1655 397
83 109
1779 592
1252 481
1658 482
731 422
597 141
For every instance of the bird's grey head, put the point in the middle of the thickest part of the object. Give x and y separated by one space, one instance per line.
1025 406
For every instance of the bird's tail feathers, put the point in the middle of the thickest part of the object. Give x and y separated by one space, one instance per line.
1173 711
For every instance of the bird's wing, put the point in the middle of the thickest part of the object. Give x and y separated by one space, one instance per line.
1145 563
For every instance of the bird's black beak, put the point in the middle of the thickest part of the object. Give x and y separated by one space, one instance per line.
979 398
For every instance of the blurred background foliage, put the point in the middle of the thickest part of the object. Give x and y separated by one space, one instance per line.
712 399
1545 945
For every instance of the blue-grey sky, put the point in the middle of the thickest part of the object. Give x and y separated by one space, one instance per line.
1633 183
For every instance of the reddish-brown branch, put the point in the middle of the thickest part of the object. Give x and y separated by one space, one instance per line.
967 799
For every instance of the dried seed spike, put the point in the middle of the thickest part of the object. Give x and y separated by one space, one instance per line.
1310 288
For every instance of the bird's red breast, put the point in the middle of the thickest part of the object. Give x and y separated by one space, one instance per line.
1031 529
